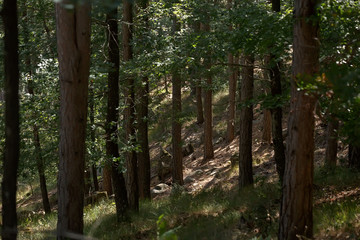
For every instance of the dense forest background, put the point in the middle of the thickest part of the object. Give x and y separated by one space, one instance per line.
180 119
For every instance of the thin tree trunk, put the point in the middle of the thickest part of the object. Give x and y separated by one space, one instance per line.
266 134
246 118
129 118
331 142
296 217
198 88
276 113
12 139
112 148
208 128
354 156
73 41
39 159
92 133
232 93
143 115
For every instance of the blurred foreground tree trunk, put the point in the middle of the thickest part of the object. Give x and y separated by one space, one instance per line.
11 152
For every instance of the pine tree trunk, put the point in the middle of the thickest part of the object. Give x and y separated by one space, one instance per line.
112 148
12 139
129 117
143 120
208 128
246 118
73 41
296 208
106 181
276 113
331 142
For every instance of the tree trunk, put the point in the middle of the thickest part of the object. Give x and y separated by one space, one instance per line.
208 128
92 133
11 151
232 93
266 134
331 142
198 89
246 118
73 42
143 120
276 113
106 182
354 156
39 159
129 117
296 208
41 170
112 148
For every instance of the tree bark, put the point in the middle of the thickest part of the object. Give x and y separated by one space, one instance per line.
198 88
143 120
296 208
276 113
107 183
129 117
208 128
331 142
112 148
12 139
232 93
246 118
73 41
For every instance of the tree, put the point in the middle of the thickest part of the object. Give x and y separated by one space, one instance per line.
232 92
129 117
208 128
331 142
246 118
112 148
73 41
143 120
92 133
177 158
296 208
12 139
276 113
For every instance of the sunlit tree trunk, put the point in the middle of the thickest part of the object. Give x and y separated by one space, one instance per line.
92 133
129 117
73 42
296 217
246 118
11 152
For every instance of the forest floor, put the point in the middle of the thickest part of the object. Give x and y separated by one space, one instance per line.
209 205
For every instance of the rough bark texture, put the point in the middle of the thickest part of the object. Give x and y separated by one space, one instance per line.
296 209
112 148
246 118
73 42
276 113
129 117
208 143
11 152
92 133
106 182
143 118
331 142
